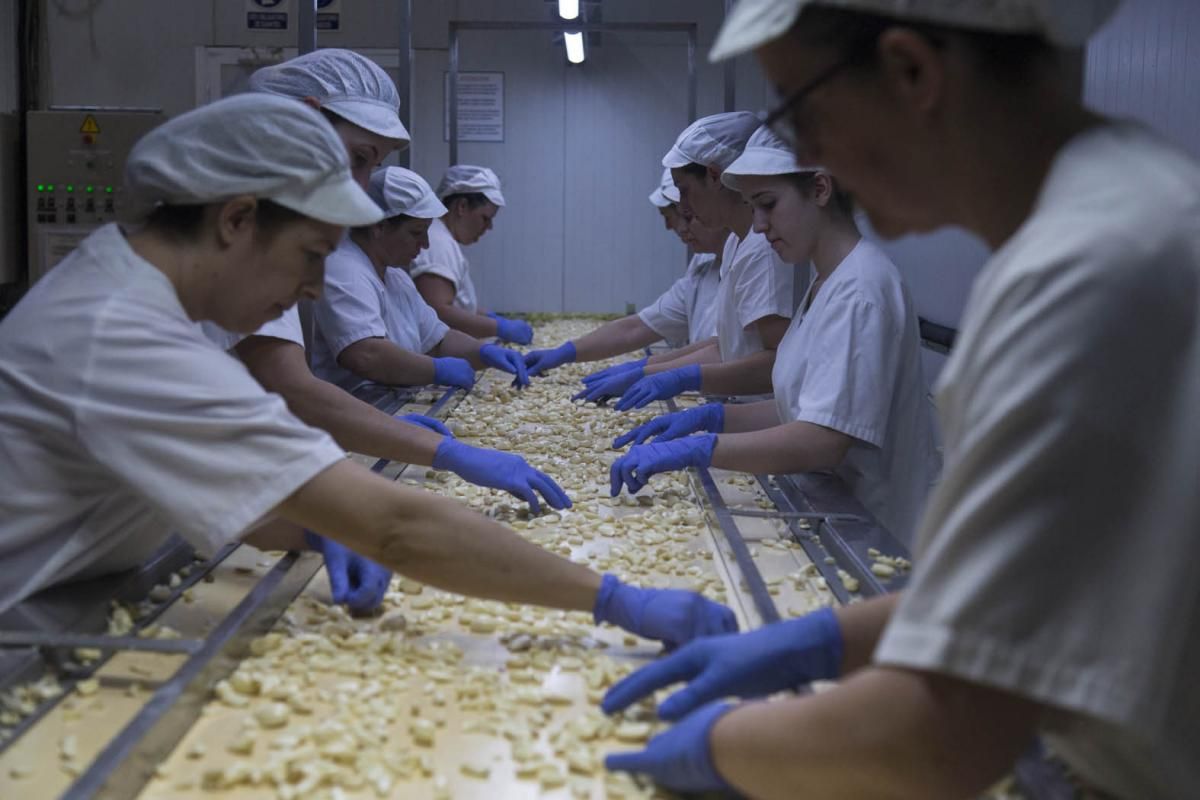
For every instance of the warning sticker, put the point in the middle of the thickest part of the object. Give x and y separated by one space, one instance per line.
267 15
89 125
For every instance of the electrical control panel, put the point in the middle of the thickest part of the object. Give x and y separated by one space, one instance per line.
75 162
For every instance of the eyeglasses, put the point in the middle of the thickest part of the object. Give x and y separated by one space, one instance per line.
781 118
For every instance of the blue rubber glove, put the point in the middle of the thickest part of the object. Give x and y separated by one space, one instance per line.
709 417
358 582
506 360
432 424
453 372
612 386
613 370
539 361
661 386
517 331
773 658
679 759
636 467
671 616
499 470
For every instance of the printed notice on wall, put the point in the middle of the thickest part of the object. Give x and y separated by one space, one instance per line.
267 15
480 107
329 15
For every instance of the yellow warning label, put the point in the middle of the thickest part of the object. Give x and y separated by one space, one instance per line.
89 125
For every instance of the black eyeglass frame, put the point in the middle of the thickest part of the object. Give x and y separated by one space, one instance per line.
789 104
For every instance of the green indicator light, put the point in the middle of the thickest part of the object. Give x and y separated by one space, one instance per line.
41 187
108 189
70 187
89 189
50 187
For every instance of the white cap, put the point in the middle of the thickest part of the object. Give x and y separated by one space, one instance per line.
350 85
1065 23
401 191
667 193
718 139
269 147
468 179
765 154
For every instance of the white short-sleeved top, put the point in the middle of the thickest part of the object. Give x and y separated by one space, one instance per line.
357 305
755 283
287 327
687 312
445 258
851 361
1057 558
120 421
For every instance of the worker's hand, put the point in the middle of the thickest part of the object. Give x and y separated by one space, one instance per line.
709 417
636 467
517 331
358 582
661 386
599 375
453 372
509 361
671 616
612 386
432 424
679 759
773 658
539 361
499 470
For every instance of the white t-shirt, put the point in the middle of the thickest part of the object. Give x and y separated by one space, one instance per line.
357 305
444 257
287 327
687 312
1057 558
755 283
852 362
120 421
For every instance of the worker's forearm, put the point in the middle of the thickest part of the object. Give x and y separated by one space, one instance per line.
382 361
469 322
746 417
881 734
749 375
620 336
862 625
680 352
456 344
792 447
704 355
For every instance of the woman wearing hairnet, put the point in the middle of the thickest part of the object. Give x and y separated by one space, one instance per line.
122 421
361 102
849 392
1054 591
442 273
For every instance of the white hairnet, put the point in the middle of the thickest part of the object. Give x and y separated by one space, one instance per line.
667 193
765 154
468 179
350 85
718 139
269 147
398 191
1066 23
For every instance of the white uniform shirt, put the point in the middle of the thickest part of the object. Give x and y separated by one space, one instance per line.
687 312
755 283
120 421
444 257
357 305
852 362
1057 559
287 327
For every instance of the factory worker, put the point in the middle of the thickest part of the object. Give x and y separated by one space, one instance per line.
684 314
755 299
1054 586
371 323
361 102
849 393
442 273
120 421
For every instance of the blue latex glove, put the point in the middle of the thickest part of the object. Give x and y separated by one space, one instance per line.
499 470
358 582
512 330
679 759
432 424
709 417
661 386
773 658
613 370
612 386
636 467
453 372
539 361
671 616
509 361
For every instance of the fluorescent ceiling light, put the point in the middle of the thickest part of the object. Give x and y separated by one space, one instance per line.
568 9
574 43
